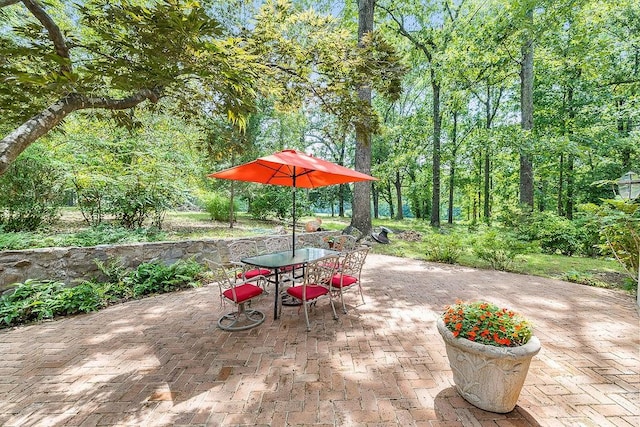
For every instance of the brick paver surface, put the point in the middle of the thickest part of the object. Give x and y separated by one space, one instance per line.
162 360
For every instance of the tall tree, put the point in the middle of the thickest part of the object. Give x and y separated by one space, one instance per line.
526 111
361 218
434 28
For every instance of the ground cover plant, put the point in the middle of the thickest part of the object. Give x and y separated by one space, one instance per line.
36 300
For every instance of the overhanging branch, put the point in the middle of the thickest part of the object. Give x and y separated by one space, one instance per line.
4 3
17 141
54 32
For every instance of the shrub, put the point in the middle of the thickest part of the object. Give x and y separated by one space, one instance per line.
584 279
444 248
556 234
499 250
620 232
83 298
588 230
277 202
218 207
30 193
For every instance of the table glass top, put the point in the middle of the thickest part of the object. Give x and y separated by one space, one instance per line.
286 258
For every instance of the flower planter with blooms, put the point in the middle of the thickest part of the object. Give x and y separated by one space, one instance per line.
489 350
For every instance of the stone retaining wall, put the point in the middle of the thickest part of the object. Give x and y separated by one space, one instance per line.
72 265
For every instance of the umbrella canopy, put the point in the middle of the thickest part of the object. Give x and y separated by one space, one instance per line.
294 169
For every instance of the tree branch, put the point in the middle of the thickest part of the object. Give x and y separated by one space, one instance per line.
4 3
310 84
18 140
403 32
54 32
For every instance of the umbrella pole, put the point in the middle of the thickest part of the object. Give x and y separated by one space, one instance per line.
293 243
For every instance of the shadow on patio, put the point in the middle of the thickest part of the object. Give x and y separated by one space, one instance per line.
162 360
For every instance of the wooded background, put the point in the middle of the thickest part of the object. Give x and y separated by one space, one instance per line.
464 110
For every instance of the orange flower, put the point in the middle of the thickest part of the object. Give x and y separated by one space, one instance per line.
486 323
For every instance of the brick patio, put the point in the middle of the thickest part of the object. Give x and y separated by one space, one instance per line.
162 360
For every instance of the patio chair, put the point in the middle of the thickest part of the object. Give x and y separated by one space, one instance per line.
315 285
277 244
311 240
240 293
239 249
280 244
348 275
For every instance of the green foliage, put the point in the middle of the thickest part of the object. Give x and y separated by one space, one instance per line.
113 269
277 202
92 236
123 47
82 298
38 300
552 232
134 200
218 206
555 233
30 193
444 248
498 249
620 233
31 300
584 279
135 177
157 277
588 225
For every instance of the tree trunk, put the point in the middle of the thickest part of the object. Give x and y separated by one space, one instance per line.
487 186
12 145
398 184
487 162
452 167
361 218
478 201
570 186
375 194
392 212
437 125
526 111
561 185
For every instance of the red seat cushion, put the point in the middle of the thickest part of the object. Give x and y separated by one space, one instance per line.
243 293
250 274
291 267
313 292
346 281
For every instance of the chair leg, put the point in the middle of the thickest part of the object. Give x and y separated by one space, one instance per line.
344 307
333 307
241 320
306 314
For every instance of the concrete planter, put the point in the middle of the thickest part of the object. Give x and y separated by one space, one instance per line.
487 376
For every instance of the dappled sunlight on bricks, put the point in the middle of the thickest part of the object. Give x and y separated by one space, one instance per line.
162 360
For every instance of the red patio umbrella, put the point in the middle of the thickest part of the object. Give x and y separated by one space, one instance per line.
294 169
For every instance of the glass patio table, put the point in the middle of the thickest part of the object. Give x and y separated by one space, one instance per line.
279 260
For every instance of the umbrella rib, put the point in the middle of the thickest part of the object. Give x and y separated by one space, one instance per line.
276 171
280 170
